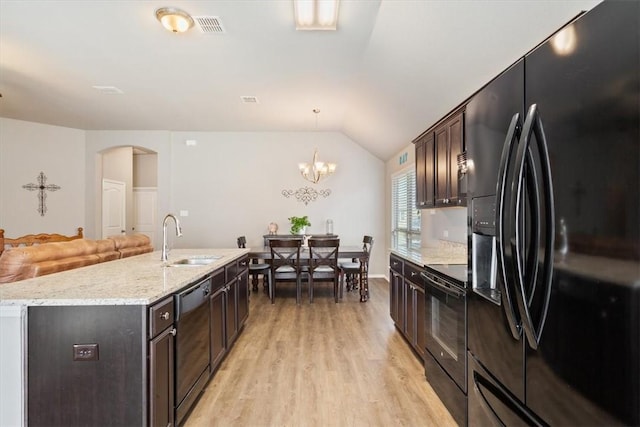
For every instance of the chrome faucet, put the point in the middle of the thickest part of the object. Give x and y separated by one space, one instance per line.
165 249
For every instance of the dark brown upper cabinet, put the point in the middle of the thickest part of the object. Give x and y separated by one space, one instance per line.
425 179
437 176
449 138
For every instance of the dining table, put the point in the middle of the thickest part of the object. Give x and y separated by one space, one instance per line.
350 252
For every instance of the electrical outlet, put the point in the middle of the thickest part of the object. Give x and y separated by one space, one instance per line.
85 352
184 213
445 233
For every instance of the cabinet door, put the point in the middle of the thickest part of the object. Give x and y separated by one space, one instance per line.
424 171
161 374
420 173
409 326
455 135
243 297
419 310
430 163
449 142
218 327
232 311
413 301
442 165
395 298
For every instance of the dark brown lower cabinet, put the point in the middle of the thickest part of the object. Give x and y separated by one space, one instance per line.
396 291
231 311
420 343
243 296
415 317
229 305
407 302
161 379
409 307
218 304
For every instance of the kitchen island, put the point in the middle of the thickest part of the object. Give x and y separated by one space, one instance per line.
82 347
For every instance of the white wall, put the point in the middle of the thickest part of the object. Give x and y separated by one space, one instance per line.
145 167
26 149
231 184
235 181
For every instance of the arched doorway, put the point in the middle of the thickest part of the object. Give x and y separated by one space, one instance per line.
137 168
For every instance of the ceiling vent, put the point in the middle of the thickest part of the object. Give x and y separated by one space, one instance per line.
209 24
249 99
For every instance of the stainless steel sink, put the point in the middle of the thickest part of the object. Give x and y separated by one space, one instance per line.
195 261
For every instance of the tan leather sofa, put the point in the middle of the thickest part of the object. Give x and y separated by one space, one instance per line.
33 261
135 244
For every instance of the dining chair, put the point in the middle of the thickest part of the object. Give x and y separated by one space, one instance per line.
356 271
256 268
285 264
323 264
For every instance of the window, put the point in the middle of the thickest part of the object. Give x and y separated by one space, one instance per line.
405 217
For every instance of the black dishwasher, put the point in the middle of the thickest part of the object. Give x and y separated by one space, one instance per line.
192 345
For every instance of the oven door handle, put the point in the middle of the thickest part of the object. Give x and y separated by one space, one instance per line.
447 289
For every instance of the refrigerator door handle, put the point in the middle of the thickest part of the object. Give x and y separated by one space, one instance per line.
502 240
533 126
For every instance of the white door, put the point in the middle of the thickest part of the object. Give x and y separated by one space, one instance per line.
144 211
113 207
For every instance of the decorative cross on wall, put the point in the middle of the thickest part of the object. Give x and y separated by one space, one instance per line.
41 187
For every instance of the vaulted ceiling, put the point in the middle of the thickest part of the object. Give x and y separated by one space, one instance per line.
392 68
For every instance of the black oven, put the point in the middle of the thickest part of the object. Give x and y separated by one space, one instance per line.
446 335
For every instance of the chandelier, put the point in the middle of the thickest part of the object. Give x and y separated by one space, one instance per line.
317 170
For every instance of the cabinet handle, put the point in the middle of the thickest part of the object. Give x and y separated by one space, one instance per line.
165 315
414 274
173 331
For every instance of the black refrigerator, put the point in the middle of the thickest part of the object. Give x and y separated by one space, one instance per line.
553 147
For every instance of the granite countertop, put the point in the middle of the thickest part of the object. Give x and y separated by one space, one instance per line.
444 253
137 280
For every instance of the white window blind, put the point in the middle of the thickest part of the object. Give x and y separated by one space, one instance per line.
405 223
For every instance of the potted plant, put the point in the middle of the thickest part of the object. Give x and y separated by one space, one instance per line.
298 224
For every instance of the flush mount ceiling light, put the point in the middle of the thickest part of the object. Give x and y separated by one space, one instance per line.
316 170
173 19
316 14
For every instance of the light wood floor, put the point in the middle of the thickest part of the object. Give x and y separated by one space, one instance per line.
320 364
